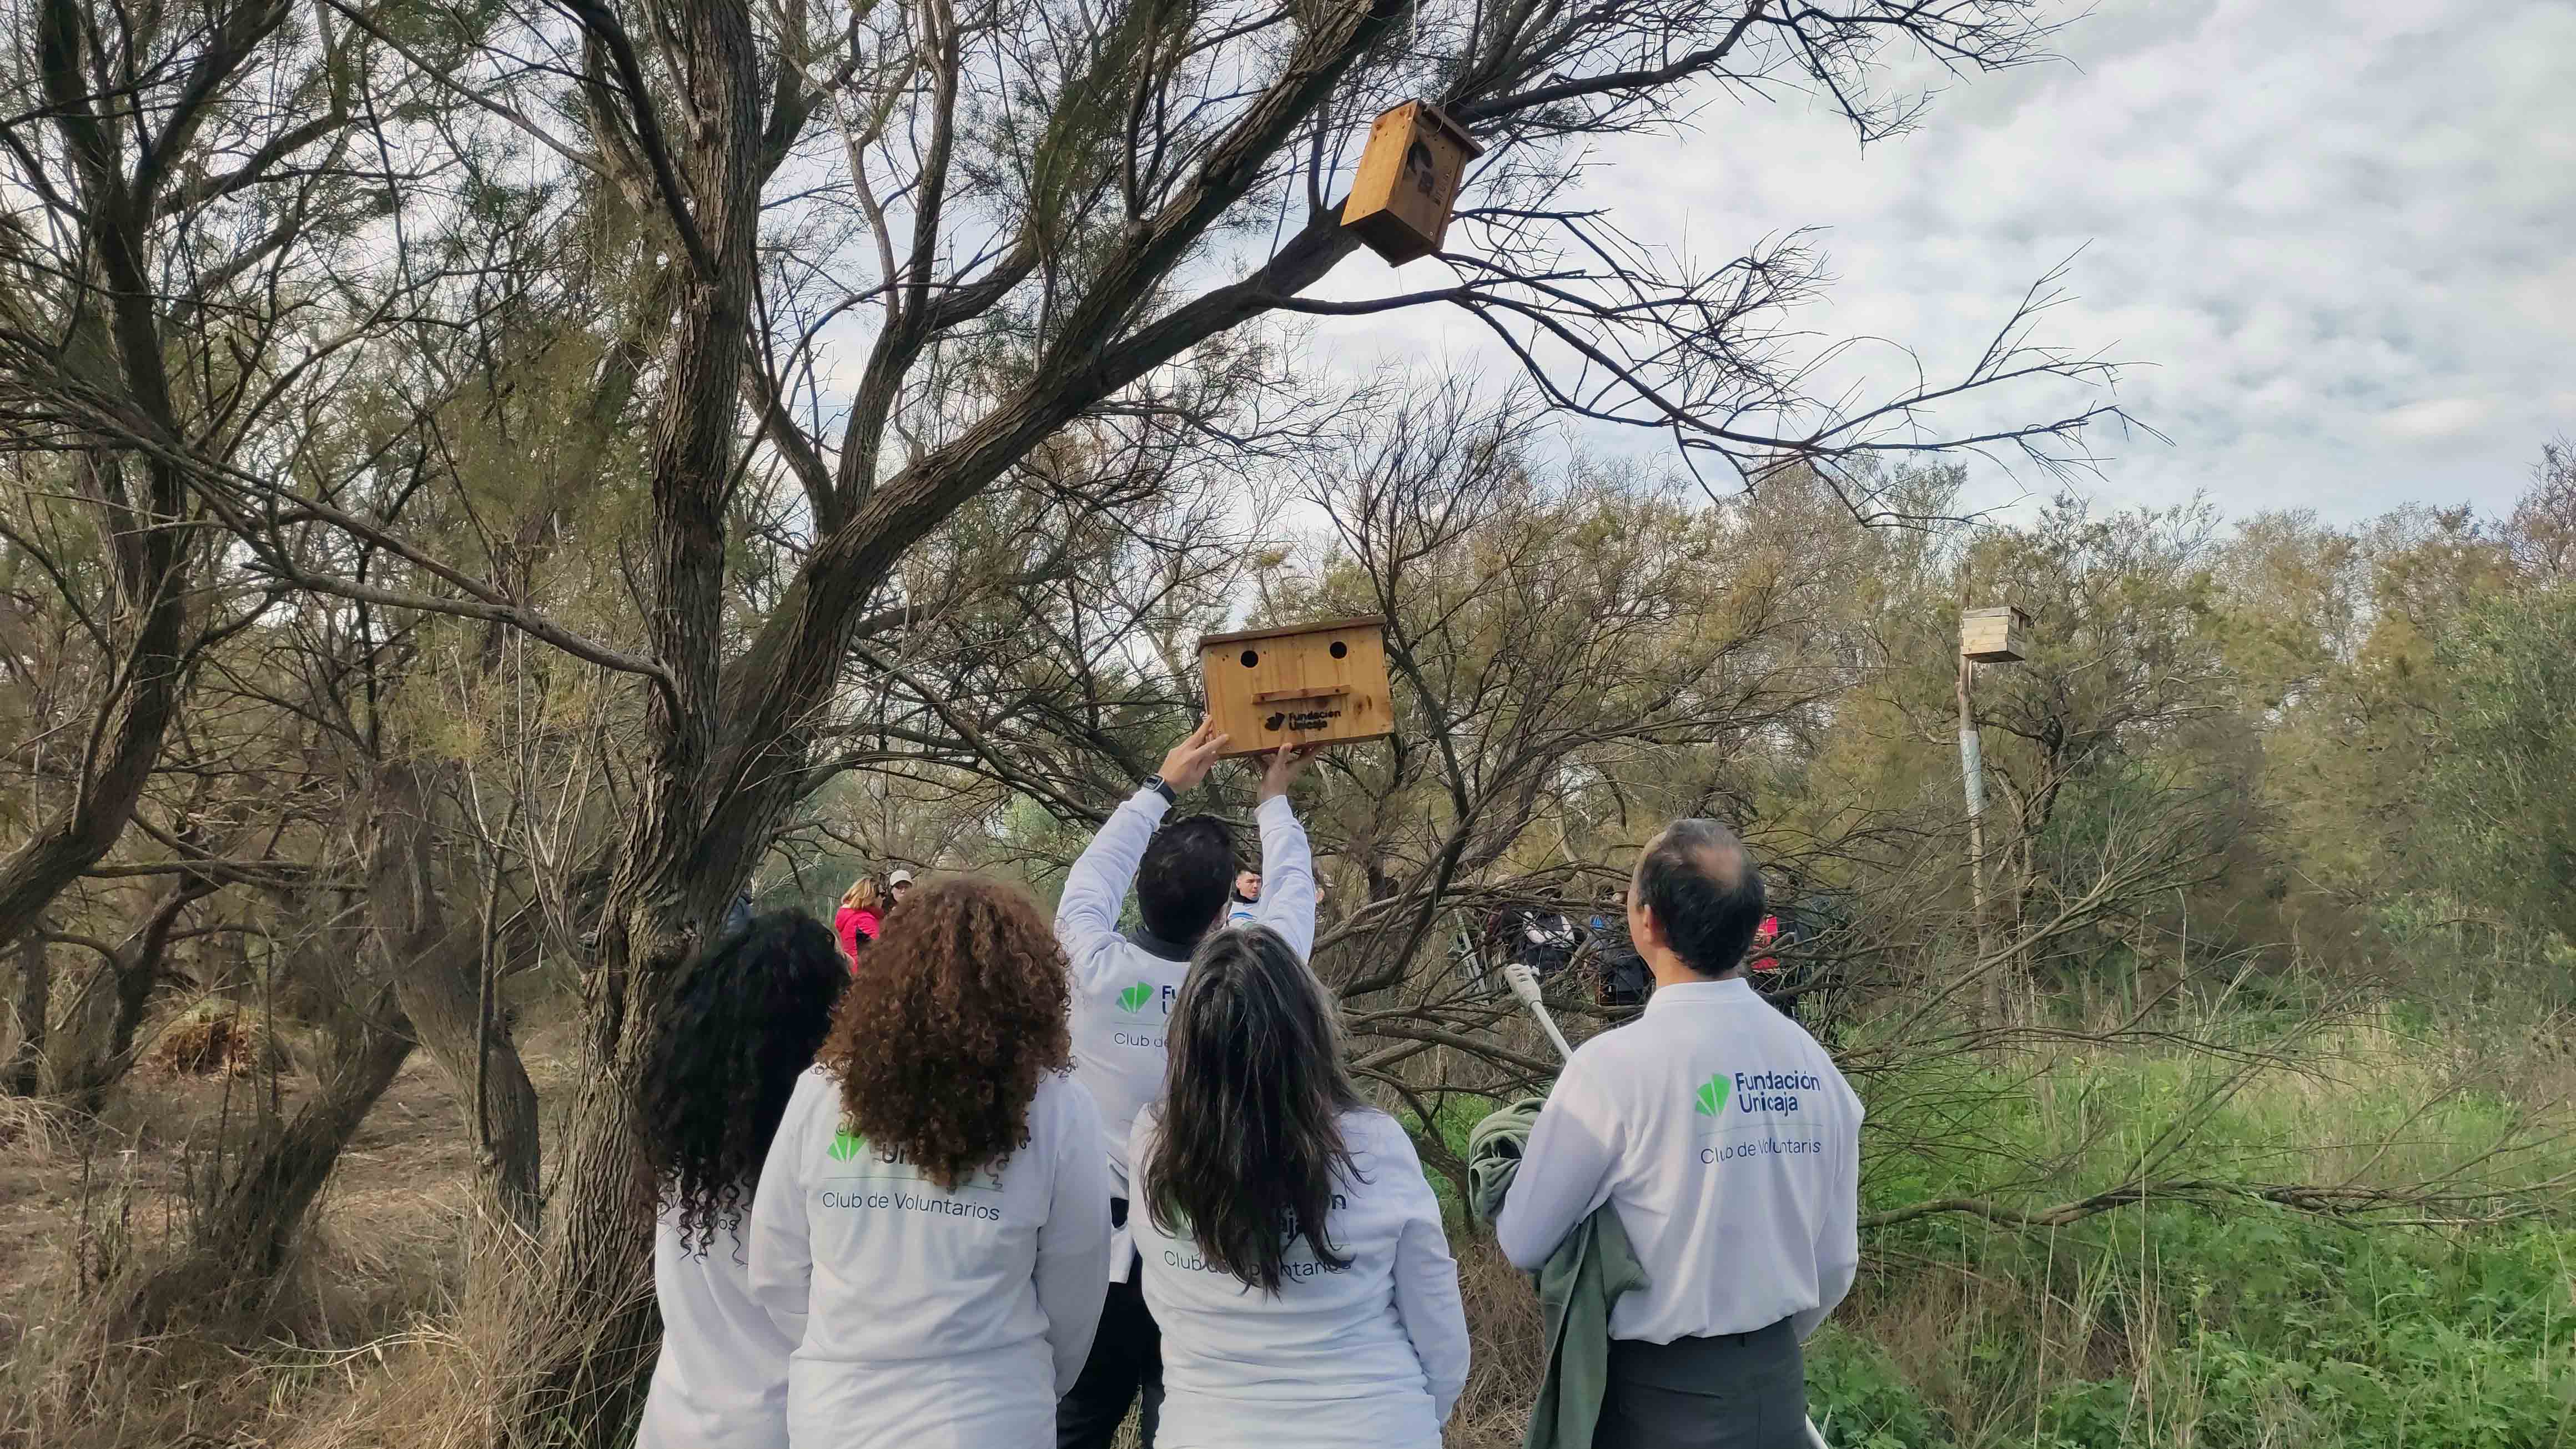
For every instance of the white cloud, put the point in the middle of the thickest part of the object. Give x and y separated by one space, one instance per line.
2337 229
2437 420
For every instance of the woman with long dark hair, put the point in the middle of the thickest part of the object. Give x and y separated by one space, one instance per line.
933 1223
1292 1248
742 1026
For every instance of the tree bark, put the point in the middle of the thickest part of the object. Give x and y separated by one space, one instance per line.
26 1072
111 1003
589 1332
434 965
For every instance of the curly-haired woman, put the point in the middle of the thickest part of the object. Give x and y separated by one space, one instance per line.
1292 1248
933 1223
742 1028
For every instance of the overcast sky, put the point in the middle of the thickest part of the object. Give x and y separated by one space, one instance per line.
2341 234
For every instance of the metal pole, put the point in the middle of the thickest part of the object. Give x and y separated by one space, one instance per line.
1972 774
1524 984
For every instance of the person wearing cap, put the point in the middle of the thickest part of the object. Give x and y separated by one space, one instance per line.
898 886
1124 984
1729 1146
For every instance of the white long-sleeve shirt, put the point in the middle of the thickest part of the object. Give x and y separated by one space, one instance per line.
1730 1146
1123 986
1371 1356
925 1318
721 1379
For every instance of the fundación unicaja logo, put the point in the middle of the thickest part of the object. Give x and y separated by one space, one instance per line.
847 1144
1133 999
1712 1096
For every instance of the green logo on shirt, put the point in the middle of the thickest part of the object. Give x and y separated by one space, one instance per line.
847 1144
1133 999
1712 1096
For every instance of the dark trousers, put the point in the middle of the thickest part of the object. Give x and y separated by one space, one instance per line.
1126 1360
1742 1391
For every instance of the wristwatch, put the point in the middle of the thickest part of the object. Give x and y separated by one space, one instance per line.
1162 787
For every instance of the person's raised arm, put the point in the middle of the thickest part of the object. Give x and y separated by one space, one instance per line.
1564 1173
1287 903
1837 1231
1072 1274
1086 915
1426 1285
782 1253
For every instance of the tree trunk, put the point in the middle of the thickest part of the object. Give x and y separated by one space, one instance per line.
26 1071
144 536
588 1333
111 1003
435 969
248 1233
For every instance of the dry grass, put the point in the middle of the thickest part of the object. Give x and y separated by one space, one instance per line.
84 1207
1504 1371
216 1038
34 1133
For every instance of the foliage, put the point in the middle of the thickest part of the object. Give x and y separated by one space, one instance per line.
2241 1330
2499 811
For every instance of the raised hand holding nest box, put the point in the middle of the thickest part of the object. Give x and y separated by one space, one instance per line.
1315 684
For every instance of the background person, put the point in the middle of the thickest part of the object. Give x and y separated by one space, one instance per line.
1291 1248
1247 898
1527 935
932 1228
898 886
1620 976
1729 1146
1123 988
861 916
743 1025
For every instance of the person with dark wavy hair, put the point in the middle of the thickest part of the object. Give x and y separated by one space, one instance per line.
1292 1249
932 1227
742 1026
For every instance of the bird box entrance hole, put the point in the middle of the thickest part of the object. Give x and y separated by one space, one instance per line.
1322 683
1407 182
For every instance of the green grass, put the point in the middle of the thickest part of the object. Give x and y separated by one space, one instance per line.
2238 1325
2217 1325
2262 1330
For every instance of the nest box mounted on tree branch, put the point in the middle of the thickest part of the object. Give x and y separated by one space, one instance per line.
1993 636
1311 684
1408 179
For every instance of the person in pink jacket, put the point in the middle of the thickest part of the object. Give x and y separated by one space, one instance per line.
862 909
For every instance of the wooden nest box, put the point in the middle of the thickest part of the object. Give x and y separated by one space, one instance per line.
1408 179
1312 684
1993 636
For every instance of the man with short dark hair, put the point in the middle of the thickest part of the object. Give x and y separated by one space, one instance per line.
1123 984
1728 1145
